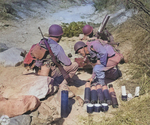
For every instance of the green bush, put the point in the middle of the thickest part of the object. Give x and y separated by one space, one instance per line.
75 28
72 29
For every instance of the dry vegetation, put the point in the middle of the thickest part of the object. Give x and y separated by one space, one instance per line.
134 44
134 38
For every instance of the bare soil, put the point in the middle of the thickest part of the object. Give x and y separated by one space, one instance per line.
25 33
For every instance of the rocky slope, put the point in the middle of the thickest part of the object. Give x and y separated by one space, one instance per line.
22 32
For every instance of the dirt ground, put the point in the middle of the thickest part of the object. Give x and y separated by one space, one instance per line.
77 114
20 34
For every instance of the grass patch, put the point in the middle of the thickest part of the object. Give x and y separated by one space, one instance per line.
133 112
139 77
6 11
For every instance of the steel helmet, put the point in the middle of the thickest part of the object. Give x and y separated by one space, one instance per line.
55 30
78 46
87 30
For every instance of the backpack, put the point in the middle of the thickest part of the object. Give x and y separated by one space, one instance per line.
113 74
36 52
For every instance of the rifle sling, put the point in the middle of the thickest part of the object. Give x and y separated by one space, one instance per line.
63 72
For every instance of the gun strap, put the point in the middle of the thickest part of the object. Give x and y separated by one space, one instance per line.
63 72
93 50
48 47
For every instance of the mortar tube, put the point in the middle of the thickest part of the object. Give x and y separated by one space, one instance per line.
100 93
94 96
87 93
64 104
107 95
113 96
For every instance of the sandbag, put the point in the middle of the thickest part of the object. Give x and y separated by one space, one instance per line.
113 74
11 57
18 106
31 84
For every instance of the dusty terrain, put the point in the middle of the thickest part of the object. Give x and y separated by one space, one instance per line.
77 114
25 33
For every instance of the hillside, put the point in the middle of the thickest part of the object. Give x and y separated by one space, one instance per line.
19 28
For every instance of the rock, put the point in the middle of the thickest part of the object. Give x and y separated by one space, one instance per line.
46 107
4 120
20 120
45 112
29 85
8 9
121 16
11 57
23 52
38 121
56 118
3 47
35 114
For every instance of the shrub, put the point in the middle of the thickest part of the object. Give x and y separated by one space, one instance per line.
72 29
75 28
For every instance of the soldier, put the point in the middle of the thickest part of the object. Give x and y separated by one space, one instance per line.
96 49
40 59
